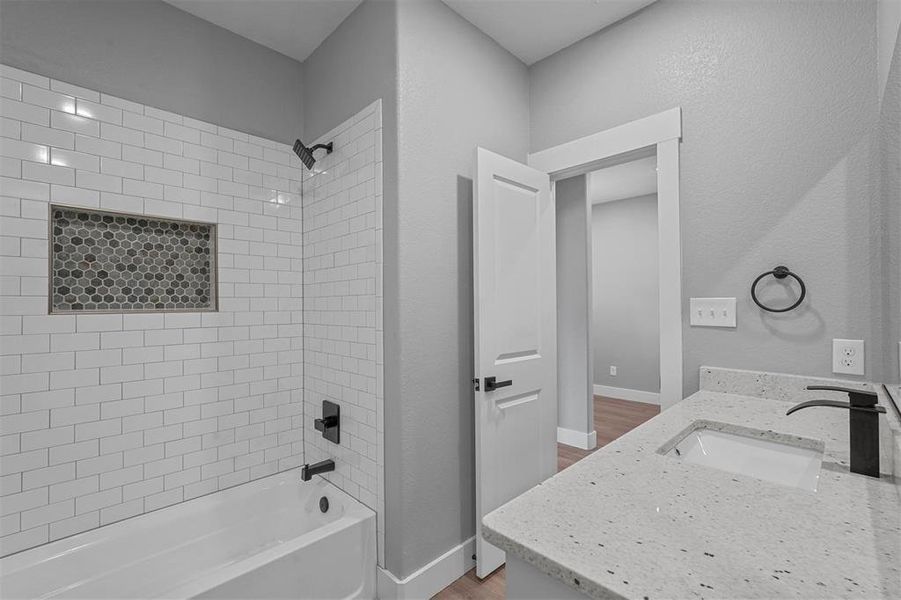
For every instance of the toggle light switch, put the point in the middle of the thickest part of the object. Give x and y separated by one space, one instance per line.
712 312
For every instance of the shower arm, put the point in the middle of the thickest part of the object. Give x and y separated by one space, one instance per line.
326 147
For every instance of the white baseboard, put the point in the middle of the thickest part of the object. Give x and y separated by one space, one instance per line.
430 579
627 394
578 439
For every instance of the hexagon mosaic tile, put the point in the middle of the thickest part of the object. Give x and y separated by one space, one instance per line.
110 262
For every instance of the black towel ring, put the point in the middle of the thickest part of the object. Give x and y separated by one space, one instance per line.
779 272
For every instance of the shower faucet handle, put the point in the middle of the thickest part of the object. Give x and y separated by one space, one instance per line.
330 423
325 423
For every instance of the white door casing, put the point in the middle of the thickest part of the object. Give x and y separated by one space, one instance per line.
662 131
514 272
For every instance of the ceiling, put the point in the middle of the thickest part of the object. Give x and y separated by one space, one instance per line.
293 27
530 29
627 180
535 29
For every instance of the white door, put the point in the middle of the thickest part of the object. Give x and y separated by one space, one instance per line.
515 337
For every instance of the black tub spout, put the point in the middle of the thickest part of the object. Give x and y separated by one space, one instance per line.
307 472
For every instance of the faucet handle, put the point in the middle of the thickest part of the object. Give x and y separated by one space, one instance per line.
857 397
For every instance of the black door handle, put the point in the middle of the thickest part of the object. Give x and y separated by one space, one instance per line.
491 383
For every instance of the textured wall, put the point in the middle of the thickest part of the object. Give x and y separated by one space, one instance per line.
107 416
457 90
355 66
575 410
888 21
888 215
446 69
343 359
778 107
626 328
153 53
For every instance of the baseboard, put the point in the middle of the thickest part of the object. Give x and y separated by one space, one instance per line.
430 579
577 439
627 394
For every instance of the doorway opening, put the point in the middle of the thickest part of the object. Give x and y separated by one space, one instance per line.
619 337
607 287
625 326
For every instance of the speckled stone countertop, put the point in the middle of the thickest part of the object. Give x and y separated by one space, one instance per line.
630 522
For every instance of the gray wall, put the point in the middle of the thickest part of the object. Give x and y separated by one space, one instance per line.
888 21
575 409
888 215
457 90
353 67
778 107
445 88
626 330
152 53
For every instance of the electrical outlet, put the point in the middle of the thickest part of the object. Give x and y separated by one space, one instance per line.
612 370
847 357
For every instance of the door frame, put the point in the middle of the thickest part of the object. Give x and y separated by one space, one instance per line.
663 131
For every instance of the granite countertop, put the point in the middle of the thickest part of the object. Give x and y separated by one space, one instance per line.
629 522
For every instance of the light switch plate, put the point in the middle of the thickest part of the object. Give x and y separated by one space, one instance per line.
712 312
847 357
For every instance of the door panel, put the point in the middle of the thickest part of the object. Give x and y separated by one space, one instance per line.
516 305
518 425
515 336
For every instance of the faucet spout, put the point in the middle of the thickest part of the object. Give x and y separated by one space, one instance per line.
863 422
811 403
308 470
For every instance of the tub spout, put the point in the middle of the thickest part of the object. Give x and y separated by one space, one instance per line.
308 470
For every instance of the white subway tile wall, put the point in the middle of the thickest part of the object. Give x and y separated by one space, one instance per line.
343 341
104 417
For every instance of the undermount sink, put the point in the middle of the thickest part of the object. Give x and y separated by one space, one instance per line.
774 461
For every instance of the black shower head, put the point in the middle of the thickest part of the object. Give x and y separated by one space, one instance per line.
306 154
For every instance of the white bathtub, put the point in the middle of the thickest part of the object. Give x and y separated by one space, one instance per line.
264 539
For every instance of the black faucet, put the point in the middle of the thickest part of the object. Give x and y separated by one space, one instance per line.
325 466
864 423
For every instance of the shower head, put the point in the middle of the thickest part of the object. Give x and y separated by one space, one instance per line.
306 154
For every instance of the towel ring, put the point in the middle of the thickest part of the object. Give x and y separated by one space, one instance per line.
780 272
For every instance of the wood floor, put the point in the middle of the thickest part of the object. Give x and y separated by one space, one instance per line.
612 418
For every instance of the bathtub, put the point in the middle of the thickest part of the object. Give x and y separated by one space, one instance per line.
264 539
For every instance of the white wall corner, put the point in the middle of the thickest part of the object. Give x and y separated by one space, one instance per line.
430 579
627 394
577 439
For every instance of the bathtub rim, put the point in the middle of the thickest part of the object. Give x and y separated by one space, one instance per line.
213 577
354 512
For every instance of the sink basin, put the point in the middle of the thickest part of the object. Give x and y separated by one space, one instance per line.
768 460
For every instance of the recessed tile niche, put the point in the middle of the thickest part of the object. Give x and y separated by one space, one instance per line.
111 262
